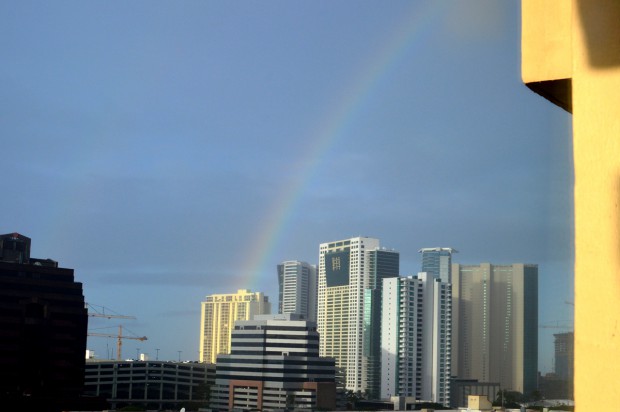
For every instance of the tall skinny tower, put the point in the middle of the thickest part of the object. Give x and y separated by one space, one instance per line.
415 338
218 316
297 283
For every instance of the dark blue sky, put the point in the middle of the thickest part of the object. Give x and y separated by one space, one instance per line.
170 150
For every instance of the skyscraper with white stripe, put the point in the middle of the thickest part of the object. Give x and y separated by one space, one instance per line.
274 365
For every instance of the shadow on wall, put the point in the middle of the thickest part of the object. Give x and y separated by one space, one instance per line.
600 25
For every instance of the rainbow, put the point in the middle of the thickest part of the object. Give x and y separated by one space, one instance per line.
260 264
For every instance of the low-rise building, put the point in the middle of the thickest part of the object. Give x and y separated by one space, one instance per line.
461 389
274 364
150 384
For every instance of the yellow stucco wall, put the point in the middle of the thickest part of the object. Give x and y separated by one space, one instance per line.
545 46
596 131
592 44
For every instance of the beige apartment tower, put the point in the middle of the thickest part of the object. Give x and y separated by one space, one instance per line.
218 316
495 324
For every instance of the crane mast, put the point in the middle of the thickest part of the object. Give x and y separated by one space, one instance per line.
120 336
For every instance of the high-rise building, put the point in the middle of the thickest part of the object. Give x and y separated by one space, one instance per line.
43 330
14 248
438 262
297 283
274 364
348 274
218 315
416 338
564 355
383 264
495 324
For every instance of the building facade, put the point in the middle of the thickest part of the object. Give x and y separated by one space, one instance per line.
150 384
349 271
462 389
298 285
438 262
43 330
218 315
564 355
572 60
383 264
416 337
274 364
495 324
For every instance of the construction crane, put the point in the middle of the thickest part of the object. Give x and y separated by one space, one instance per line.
102 314
119 341
558 324
119 337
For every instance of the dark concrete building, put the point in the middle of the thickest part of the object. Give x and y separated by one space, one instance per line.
565 355
43 325
150 384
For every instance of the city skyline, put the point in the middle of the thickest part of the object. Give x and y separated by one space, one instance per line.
170 152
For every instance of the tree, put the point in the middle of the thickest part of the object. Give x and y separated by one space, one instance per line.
290 401
354 397
202 392
508 399
535 396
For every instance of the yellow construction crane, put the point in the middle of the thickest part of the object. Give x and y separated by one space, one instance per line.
119 337
119 341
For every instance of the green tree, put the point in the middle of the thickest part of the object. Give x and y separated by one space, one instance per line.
508 399
353 398
534 396
202 392
290 401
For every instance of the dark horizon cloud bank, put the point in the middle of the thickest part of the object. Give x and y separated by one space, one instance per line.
171 151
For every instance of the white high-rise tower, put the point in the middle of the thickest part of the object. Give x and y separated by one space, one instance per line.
297 283
344 278
416 337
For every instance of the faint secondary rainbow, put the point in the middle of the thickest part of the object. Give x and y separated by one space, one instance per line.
346 108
